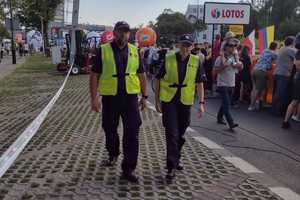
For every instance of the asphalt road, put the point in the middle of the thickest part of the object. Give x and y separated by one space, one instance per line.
259 140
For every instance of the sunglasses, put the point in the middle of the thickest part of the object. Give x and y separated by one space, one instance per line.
231 45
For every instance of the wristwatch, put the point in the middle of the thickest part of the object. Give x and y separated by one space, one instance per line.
145 96
201 102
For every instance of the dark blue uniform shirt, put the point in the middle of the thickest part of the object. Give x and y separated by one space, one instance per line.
121 58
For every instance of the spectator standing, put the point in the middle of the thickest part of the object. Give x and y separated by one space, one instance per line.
296 87
283 77
226 66
243 78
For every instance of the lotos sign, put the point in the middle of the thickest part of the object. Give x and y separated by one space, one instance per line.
226 13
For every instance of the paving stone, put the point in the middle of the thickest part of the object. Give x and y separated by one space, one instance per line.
63 160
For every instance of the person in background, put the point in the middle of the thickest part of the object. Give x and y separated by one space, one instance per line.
2 51
259 76
243 78
216 48
296 116
283 77
296 88
226 66
208 66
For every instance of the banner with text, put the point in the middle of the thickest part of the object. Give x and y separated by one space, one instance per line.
226 13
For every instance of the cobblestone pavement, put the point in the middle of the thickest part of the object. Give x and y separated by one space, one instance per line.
63 160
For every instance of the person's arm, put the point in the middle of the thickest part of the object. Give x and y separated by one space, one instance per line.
220 65
200 78
297 63
156 86
94 77
95 100
143 83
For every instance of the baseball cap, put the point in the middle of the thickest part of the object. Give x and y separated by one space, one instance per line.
122 25
186 38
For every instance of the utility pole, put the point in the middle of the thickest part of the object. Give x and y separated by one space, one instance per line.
42 32
13 48
75 17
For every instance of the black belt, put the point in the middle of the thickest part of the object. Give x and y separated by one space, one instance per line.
177 85
120 75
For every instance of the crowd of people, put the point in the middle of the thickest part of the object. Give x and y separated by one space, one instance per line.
239 77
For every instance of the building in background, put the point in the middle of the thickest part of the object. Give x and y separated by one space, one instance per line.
194 12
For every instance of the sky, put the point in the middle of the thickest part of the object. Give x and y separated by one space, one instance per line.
135 12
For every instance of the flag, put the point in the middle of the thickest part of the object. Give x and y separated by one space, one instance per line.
265 37
250 43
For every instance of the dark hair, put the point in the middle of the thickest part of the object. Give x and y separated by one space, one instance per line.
289 40
273 46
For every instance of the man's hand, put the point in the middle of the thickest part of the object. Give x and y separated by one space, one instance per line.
158 106
201 111
96 104
143 103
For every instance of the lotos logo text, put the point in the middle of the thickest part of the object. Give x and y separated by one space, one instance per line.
215 13
227 13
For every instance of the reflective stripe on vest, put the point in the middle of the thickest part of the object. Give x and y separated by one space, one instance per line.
108 81
169 84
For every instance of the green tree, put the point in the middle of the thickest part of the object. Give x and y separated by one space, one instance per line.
170 25
38 14
3 32
281 13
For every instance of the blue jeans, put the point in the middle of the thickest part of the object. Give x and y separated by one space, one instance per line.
224 110
281 94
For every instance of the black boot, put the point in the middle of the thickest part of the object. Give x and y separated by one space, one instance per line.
171 174
221 121
129 176
110 162
232 126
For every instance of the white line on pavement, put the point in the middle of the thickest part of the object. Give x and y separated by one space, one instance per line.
210 144
243 165
285 193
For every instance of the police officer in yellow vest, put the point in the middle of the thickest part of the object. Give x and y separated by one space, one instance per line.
118 76
175 86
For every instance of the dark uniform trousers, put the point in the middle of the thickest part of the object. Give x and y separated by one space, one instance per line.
126 107
176 119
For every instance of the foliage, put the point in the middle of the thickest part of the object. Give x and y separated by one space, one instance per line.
170 25
32 13
283 14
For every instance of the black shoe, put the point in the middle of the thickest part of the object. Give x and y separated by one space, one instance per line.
232 126
221 121
180 167
171 174
130 177
285 125
110 162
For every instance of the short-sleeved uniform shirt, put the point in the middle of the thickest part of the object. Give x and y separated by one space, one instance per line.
121 59
182 65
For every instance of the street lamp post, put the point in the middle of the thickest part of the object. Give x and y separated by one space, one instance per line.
13 49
